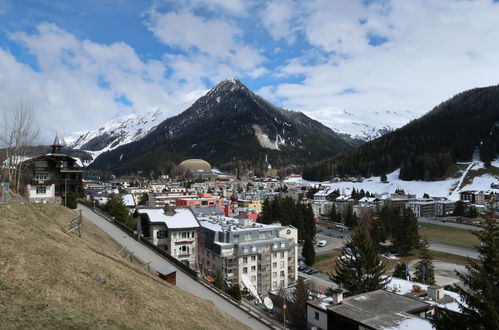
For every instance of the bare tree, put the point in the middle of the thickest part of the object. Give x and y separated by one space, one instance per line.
18 131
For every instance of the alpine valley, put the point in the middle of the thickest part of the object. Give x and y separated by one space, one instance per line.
230 127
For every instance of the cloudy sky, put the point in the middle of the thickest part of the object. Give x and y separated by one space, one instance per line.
81 63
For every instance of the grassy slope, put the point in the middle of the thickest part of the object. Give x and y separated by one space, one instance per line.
47 280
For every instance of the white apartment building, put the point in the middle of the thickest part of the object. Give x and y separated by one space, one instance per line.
266 254
175 231
160 199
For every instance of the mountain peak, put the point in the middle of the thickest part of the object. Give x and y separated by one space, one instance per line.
228 85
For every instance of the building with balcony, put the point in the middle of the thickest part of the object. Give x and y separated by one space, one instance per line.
202 201
49 177
173 230
266 254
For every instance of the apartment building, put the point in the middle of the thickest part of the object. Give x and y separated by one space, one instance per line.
160 199
174 230
266 254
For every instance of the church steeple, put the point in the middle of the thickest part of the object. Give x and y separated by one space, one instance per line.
56 146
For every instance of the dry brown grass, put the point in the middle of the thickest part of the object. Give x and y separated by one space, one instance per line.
47 280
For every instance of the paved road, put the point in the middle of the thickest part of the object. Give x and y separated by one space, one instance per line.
454 249
184 282
449 224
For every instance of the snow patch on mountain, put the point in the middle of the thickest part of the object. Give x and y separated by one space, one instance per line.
365 126
115 133
265 140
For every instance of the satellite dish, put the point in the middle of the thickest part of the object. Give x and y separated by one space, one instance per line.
268 303
248 285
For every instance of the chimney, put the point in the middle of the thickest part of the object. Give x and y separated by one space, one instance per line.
337 296
435 292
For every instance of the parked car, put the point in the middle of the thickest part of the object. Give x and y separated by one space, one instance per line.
321 243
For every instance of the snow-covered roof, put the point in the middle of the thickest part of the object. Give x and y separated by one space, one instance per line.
129 200
325 192
182 217
368 199
343 198
404 287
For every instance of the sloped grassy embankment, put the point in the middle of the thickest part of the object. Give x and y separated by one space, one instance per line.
48 279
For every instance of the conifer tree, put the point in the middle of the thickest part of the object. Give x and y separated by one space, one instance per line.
116 208
308 252
333 214
297 307
359 269
479 294
425 272
407 236
350 218
400 271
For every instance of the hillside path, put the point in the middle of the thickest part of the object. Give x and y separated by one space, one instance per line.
184 282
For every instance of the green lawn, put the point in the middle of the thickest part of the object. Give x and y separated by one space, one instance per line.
449 235
326 262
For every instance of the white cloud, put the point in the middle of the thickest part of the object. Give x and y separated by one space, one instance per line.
435 49
191 33
277 18
65 92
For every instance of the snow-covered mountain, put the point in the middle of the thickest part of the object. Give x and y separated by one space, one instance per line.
115 133
130 128
367 126
231 124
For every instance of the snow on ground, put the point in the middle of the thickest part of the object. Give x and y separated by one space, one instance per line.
446 188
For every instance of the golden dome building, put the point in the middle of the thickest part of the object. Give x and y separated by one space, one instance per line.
198 167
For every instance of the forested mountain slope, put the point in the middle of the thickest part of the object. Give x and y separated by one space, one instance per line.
426 147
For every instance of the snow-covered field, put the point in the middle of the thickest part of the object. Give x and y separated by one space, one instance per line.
446 188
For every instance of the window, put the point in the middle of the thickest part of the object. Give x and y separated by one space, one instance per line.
184 234
282 283
204 203
276 245
274 284
253 249
282 264
253 278
274 255
274 264
245 250
274 274
162 234
253 268
253 258
282 273
235 238
282 254
283 245
41 190
41 176
316 316
245 270
41 163
245 260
